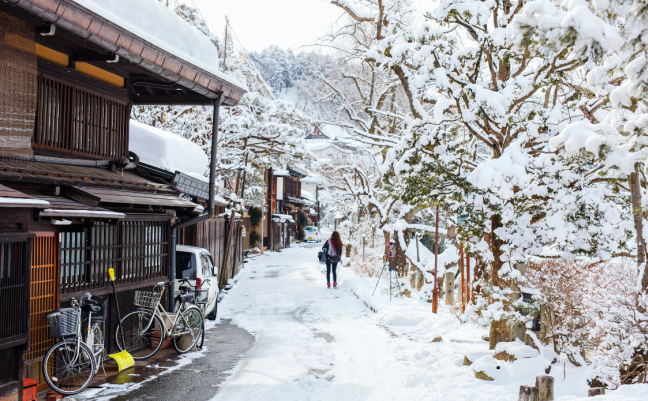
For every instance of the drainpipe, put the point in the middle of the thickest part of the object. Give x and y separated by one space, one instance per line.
216 103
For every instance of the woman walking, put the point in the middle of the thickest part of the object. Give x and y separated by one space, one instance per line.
333 249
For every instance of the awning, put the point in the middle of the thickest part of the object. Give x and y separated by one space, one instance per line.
282 218
61 206
96 196
12 198
297 172
293 200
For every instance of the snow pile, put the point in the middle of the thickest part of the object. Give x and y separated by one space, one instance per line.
517 349
166 150
155 23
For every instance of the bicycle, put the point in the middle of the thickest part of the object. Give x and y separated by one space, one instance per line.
70 365
201 300
145 329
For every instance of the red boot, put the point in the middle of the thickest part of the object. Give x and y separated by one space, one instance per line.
335 284
328 285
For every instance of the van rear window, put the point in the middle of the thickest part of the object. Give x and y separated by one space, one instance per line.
185 265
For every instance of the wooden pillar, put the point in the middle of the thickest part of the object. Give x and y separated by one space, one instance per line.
448 288
593 392
463 278
468 285
545 385
528 393
435 291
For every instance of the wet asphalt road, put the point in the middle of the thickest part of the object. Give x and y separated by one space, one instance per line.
199 381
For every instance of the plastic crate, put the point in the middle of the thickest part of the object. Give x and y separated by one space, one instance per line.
63 322
30 390
147 300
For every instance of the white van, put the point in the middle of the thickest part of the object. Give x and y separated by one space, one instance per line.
197 265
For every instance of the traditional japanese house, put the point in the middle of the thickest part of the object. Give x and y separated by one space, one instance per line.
284 203
72 204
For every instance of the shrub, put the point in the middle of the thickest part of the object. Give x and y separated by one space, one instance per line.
256 214
255 238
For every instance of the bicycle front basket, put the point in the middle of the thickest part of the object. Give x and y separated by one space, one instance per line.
202 296
63 322
147 300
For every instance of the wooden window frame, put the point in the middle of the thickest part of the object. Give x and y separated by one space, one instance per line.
73 118
137 249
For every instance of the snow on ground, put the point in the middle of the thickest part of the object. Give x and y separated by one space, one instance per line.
319 344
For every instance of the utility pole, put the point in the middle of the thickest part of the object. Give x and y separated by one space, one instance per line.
226 40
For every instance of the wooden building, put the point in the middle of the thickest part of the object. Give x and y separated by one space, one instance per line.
72 203
284 204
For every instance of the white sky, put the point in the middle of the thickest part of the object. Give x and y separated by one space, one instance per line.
261 23
285 23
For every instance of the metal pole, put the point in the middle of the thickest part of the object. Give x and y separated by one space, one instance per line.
463 279
468 289
435 291
211 210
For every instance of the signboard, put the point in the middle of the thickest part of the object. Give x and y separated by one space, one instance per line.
280 188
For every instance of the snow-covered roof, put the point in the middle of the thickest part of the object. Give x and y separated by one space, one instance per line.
155 23
166 150
281 173
81 213
315 147
19 202
307 195
313 179
283 217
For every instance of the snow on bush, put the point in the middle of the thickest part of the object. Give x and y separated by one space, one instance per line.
593 313
561 285
618 315
352 233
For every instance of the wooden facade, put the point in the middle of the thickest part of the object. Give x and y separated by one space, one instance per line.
67 213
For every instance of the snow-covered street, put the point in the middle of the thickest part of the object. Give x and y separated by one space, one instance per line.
313 343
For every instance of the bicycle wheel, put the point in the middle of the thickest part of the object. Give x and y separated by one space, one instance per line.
201 338
141 342
66 374
186 331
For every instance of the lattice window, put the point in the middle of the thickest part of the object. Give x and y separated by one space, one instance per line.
137 250
43 293
74 119
14 265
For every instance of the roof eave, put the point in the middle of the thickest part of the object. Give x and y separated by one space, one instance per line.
113 38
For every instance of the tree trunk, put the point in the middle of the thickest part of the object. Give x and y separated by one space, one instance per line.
634 182
528 393
496 245
400 260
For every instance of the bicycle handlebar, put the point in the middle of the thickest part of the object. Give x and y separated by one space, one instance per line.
186 281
